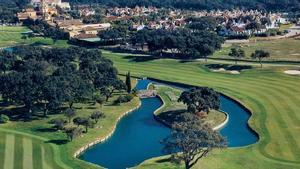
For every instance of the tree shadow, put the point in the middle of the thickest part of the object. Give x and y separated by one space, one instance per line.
132 58
58 142
164 160
46 130
229 67
169 117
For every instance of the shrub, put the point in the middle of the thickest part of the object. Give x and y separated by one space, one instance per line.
124 99
4 118
58 123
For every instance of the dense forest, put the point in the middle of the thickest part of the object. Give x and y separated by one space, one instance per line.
204 4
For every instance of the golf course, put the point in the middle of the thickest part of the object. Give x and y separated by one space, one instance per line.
272 96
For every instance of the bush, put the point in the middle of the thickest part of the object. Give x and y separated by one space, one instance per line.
124 99
238 36
58 123
4 118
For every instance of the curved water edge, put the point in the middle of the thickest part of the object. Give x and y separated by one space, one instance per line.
236 101
136 137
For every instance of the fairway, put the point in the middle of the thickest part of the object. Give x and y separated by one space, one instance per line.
19 151
272 96
12 35
280 50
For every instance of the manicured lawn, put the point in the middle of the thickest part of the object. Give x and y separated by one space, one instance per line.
271 95
12 35
281 50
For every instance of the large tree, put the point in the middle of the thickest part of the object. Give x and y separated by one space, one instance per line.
200 99
191 139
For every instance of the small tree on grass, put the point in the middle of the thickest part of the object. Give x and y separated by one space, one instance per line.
78 121
4 118
128 82
200 99
260 55
97 115
70 113
83 121
73 132
59 123
237 53
191 139
87 123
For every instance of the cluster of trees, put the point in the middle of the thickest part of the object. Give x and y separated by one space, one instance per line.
75 130
45 79
186 43
238 53
202 4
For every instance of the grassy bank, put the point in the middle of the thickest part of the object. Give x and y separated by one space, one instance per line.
35 144
271 95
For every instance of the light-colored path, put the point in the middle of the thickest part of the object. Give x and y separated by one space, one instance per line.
28 155
9 151
45 165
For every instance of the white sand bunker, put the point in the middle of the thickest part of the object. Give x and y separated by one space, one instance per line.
226 71
292 72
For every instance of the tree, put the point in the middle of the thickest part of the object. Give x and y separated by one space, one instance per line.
236 54
260 55
78 121
128 82
191 139
83 121
87 123
97 115
59 123
70 113
200 99
4 118
73 132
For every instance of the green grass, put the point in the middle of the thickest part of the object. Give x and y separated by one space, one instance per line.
271 95
280 50
12 35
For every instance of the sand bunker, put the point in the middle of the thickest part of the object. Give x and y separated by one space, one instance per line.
292 72
223 70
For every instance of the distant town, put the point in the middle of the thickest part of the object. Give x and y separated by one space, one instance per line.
85 22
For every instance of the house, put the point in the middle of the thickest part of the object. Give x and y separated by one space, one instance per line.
90 30
27 13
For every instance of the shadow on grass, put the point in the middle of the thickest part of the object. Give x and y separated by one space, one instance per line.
164 160
228 67
169 117
140 58
46 130
58 142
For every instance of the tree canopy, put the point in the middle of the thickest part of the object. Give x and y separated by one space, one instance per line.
200 99
191 139
35 76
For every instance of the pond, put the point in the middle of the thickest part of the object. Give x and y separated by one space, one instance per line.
138 135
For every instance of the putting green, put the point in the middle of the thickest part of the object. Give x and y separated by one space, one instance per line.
272 96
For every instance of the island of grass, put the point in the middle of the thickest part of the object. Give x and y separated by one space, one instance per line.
172 109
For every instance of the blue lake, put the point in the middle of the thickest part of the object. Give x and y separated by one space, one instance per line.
138 135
